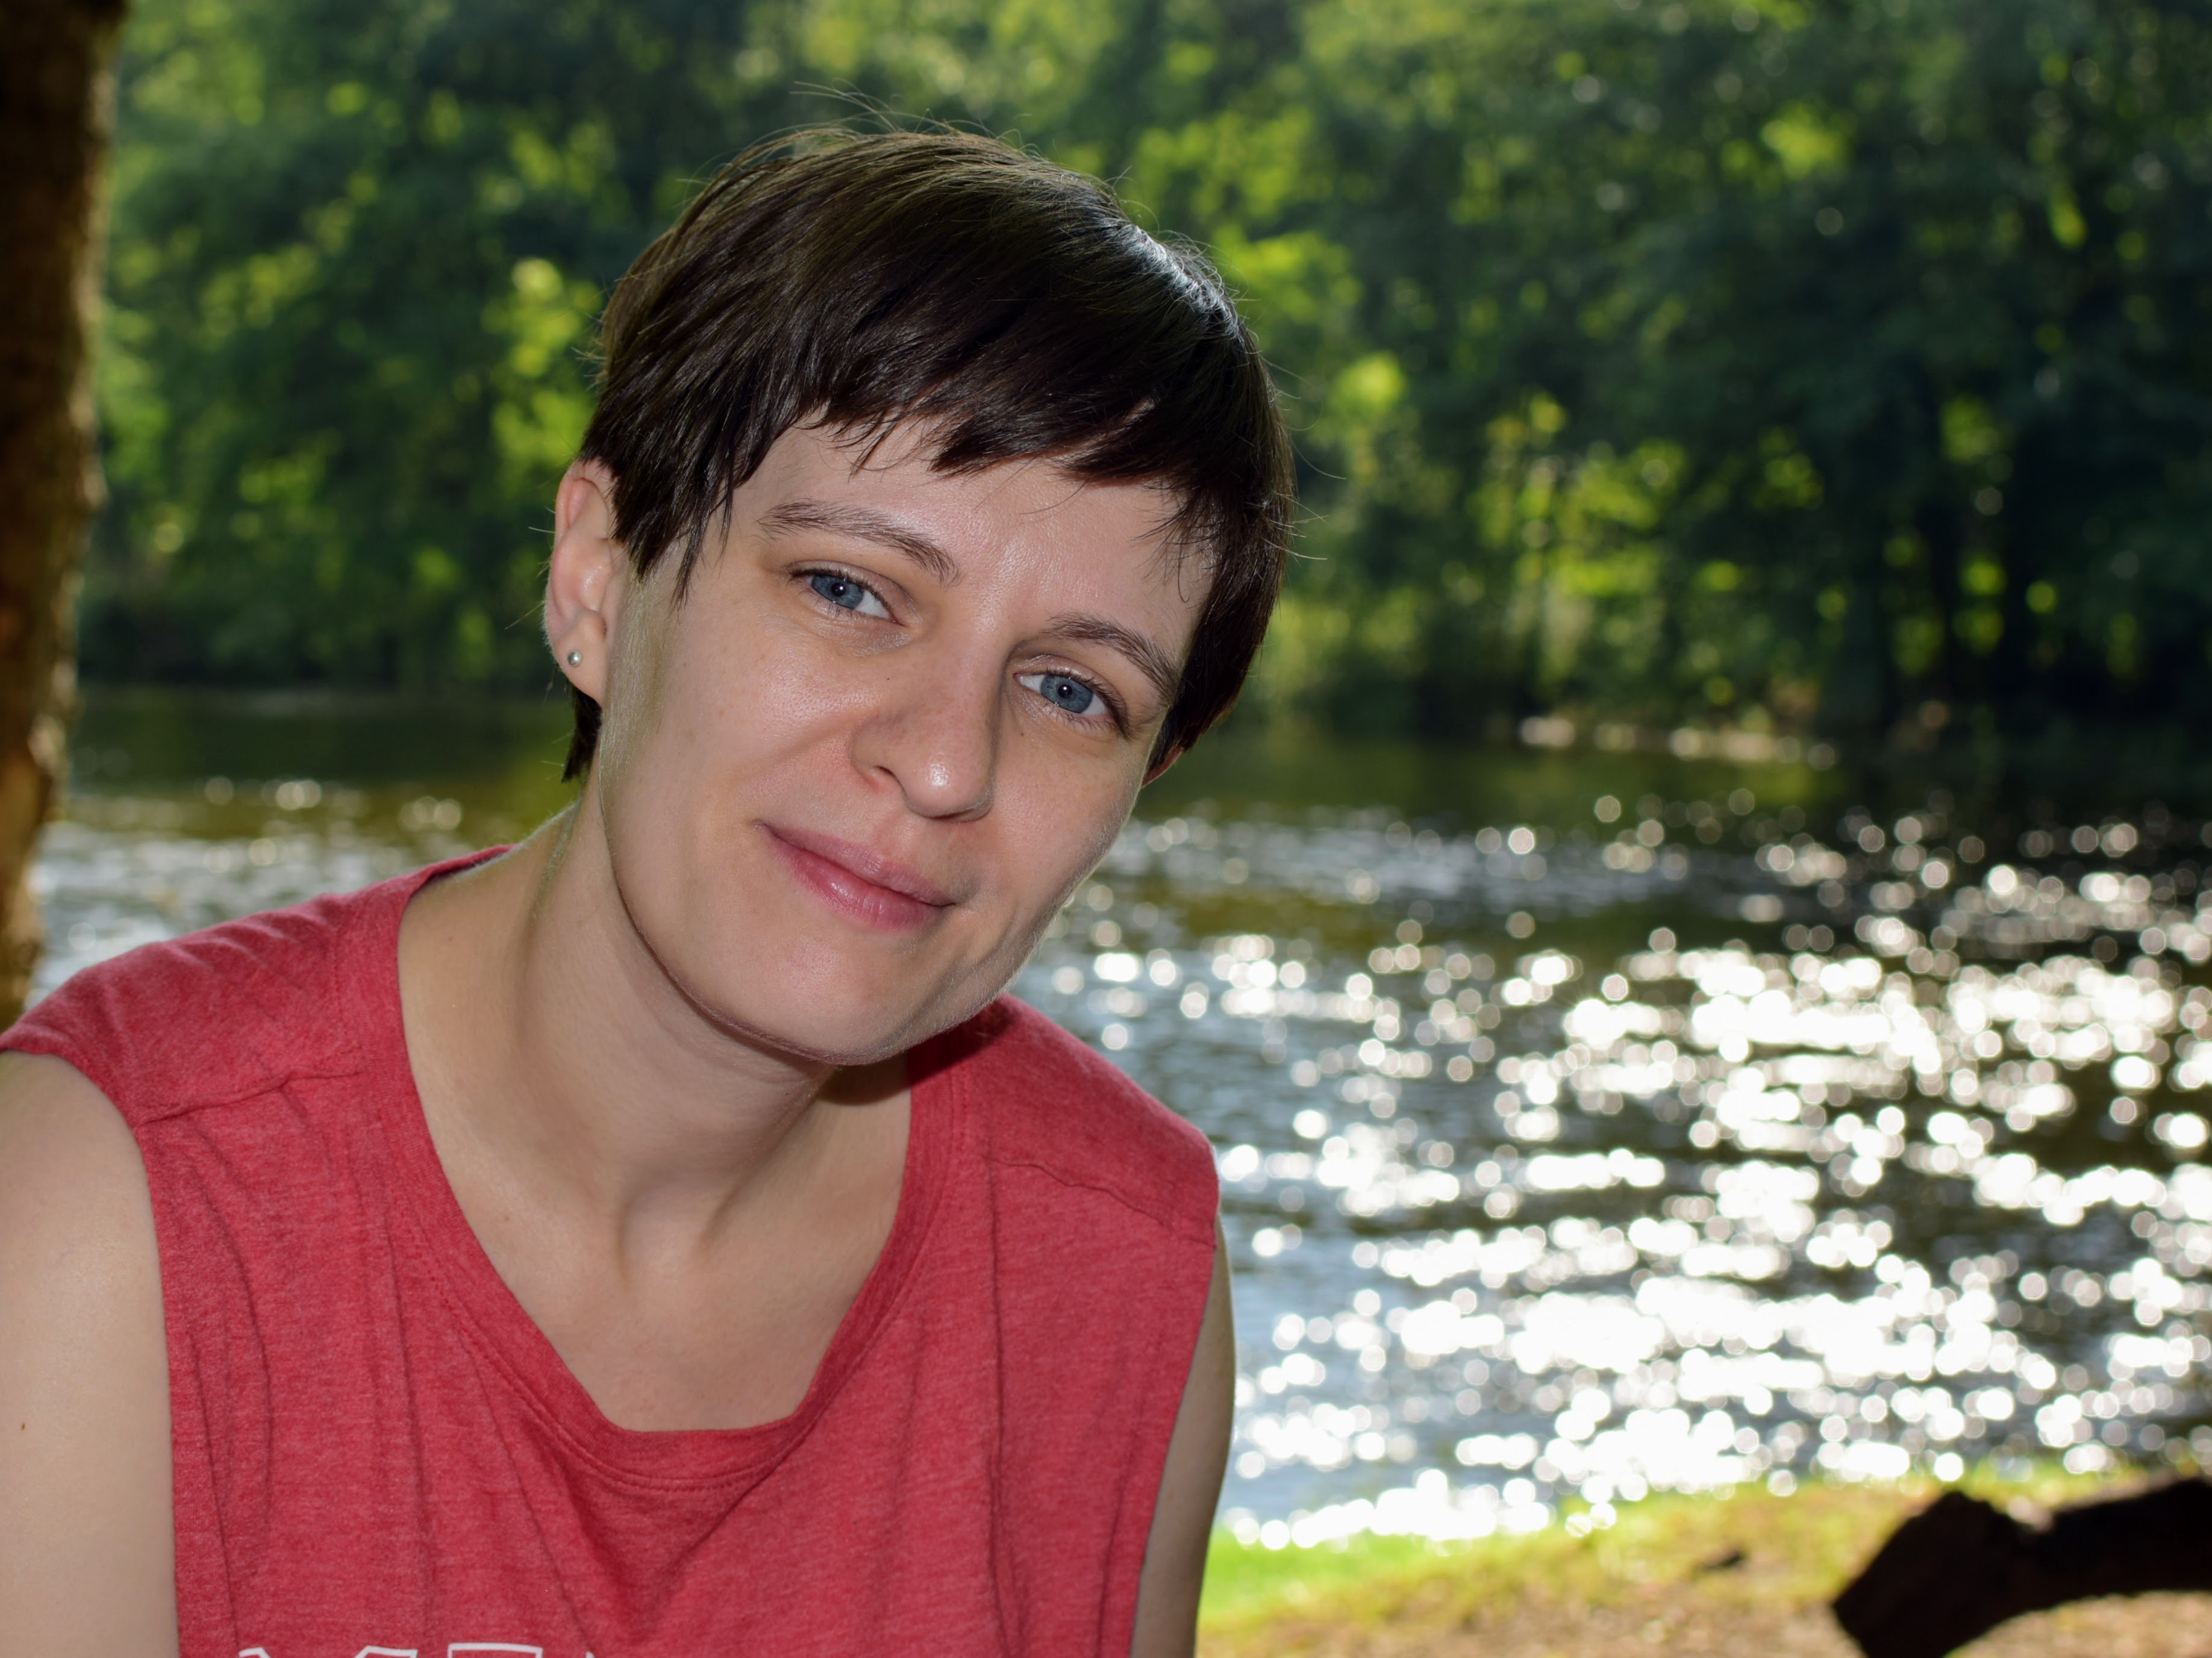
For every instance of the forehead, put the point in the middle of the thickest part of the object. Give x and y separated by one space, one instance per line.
1029 523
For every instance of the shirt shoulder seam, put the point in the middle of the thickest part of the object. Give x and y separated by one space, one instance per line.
71 1055
1163 1217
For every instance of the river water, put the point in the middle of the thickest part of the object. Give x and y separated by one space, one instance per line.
1590 1123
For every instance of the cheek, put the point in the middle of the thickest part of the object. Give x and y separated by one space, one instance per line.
1056 826
629 716
720 697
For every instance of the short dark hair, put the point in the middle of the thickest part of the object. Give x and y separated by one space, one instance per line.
1007 306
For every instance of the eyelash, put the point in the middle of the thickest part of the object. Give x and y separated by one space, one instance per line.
1116 715
808 576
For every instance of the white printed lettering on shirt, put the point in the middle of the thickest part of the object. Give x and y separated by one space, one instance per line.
453 1651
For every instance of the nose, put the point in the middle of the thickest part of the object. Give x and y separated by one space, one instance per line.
933 735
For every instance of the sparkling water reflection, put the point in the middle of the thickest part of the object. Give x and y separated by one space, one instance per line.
1892 1159
1909 1179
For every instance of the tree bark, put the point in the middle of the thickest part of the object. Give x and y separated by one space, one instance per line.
56 111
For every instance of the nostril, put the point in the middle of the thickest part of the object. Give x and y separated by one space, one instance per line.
937 747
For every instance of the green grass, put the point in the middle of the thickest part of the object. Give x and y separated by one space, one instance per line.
1795 1550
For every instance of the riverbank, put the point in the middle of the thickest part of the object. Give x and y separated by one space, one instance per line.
1745 1576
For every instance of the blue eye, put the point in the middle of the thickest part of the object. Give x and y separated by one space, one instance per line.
847 594
1070 695
843 591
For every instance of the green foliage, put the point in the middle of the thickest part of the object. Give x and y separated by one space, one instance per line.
357 252
1668 358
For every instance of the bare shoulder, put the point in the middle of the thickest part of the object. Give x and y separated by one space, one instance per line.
52 1118
73 1202
85 1538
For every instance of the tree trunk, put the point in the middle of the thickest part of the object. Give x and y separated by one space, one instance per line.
56 108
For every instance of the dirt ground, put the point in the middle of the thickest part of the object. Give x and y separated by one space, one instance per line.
2151 1626
1749 1576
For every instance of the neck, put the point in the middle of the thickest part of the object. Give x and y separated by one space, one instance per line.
558 1060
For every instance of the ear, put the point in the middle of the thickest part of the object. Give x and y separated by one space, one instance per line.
584 579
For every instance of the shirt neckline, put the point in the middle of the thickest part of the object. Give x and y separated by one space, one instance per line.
506 1335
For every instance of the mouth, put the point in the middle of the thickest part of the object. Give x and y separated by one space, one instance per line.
877 892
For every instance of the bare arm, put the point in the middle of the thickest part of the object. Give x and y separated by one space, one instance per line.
87 1541
1190 1485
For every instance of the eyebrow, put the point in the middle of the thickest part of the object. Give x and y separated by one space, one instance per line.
1148 658
864 524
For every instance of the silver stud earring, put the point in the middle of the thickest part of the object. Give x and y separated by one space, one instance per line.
574 657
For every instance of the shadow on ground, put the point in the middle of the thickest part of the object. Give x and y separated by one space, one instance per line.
1748 1576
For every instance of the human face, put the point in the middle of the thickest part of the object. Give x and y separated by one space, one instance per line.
848 778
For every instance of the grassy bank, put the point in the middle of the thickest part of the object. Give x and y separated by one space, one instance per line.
1750 1573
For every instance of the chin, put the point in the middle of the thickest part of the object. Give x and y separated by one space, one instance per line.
769 952
819 994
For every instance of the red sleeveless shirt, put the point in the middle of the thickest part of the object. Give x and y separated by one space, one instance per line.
378 1453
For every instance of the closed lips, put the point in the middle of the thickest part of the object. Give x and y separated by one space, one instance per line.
857 862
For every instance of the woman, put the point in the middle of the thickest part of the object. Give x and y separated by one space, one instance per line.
661 1236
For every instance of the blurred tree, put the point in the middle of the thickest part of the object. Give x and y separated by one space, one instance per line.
54 109
359 254
1746 361
1729 359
